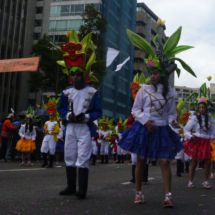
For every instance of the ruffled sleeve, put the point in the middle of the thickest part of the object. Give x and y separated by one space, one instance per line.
138 107
22 131
34 133
171 106
189 126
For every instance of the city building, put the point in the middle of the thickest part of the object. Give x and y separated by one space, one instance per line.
184 92
21 23
147 27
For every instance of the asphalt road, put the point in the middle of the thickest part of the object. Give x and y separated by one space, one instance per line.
34 190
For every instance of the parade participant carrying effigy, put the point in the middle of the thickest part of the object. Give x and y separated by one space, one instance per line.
5 134
154 109
80 106
199 130
28 134
51 130
105 137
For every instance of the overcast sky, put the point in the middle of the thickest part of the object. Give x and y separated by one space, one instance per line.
197 18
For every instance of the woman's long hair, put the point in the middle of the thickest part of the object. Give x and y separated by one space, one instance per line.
199 117
165 84
30 126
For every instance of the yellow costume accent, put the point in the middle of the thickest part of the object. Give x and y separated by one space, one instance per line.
55 131
26 145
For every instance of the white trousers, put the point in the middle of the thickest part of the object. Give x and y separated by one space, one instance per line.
104 148
48 145
183 156
134 159
78 145
94 148
120 151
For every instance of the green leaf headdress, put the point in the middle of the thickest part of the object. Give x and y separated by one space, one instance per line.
77 50
164 54
51 106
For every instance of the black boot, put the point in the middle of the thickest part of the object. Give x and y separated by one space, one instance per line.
82 182
145 173
106 159
51 159
71 181
94 159
178 173
119 159
182 166
122 157
187 167
133 174
114 157
102 159
45 161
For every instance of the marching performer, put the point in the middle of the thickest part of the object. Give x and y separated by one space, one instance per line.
154 109
51 130
80 106
26 144
199 130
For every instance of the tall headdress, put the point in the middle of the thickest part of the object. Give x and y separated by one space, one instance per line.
51 106
30 114
74 57
164 58
122 124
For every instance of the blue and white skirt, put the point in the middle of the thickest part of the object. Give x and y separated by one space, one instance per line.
163 143
60 146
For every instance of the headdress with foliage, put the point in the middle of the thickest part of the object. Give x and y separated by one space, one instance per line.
166 54
76 50
51 106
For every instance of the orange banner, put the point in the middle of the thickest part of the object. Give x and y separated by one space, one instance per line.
19 64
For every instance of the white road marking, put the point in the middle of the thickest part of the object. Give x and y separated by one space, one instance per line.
125 183
13 170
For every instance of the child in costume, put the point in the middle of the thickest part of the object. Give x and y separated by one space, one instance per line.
51 130
60 144
199 130
105 137
26 144
80 106
154 109
121 128
95 145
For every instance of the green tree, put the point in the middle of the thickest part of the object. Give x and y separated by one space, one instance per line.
93 22
50 76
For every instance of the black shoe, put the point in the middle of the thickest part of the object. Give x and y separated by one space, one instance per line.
178 172
102 159
71 181
45 161
132 180
82 182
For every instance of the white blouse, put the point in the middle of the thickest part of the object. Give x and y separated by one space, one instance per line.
151 105
27 135
193 128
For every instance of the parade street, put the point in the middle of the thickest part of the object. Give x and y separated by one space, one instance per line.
34 190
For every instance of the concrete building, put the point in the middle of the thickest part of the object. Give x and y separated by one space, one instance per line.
147 27
184 92
22 22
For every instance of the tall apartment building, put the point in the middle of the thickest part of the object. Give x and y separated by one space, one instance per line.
147 27
115 93
184 92
18 21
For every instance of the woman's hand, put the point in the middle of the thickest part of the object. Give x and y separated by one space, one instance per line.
150 127
176 124
195 139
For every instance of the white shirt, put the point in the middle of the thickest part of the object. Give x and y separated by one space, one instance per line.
80 99
154 105
193 124
27 135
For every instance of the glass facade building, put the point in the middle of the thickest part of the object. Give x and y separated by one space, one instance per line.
115 93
